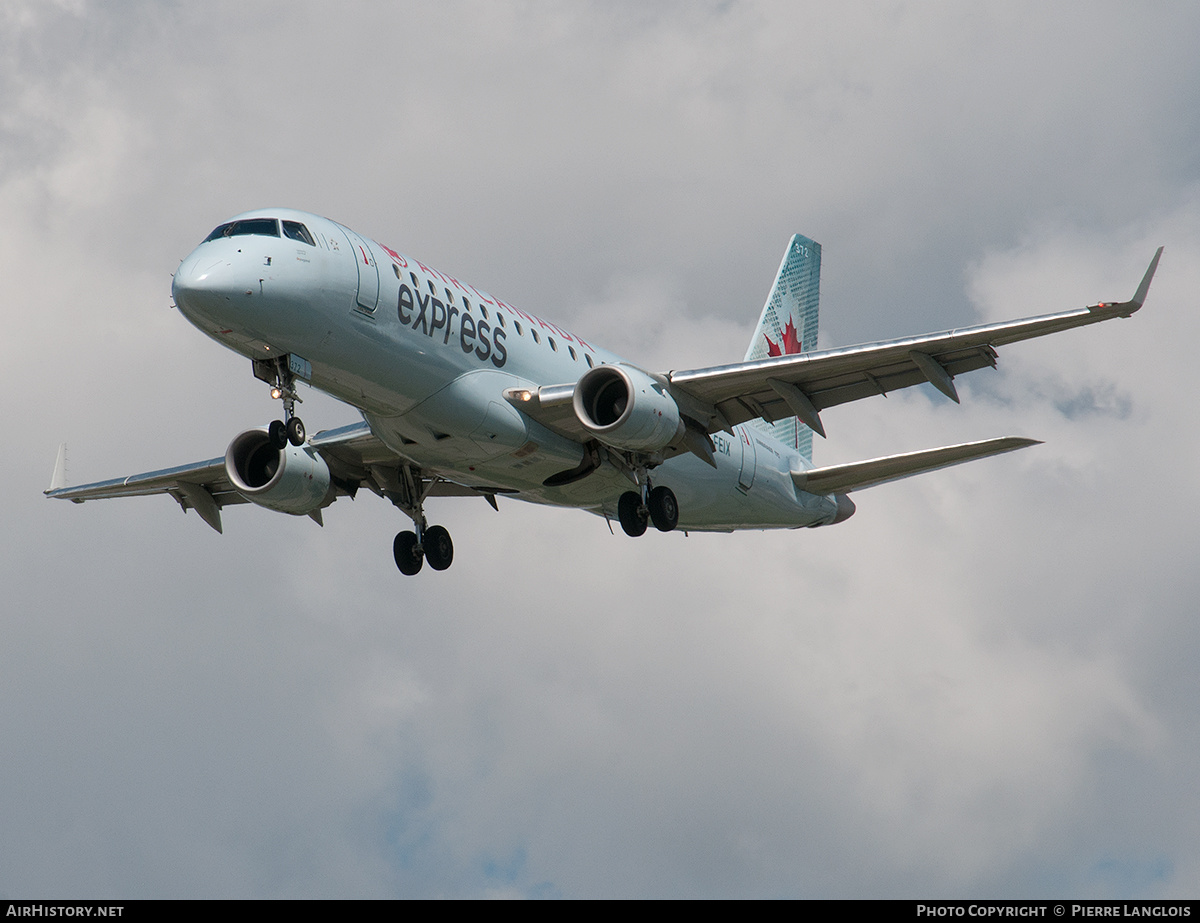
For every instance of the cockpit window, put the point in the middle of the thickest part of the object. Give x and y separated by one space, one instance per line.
296 231
266 227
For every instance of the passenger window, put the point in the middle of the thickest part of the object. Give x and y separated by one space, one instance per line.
553 345
536 338
588 357
571 350
520 332
296 231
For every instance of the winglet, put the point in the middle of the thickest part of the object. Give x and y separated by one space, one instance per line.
1139 297
59 479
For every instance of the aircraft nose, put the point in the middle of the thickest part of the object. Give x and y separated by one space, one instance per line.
198 275
206 283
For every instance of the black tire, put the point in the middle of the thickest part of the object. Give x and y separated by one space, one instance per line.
439 550
404 550
295 431
631 514
664 509
278 434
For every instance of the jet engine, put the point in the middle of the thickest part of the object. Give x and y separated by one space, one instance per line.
294 479
626 408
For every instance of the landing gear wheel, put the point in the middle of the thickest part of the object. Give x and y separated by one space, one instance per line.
277 432
404 549
295 431
632 514
439 550
664 509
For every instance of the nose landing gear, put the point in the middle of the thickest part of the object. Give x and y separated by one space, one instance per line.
291 428
281 433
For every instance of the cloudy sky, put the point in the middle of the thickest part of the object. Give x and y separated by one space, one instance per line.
983 684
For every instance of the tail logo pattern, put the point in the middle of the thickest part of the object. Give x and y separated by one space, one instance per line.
791 342
788 326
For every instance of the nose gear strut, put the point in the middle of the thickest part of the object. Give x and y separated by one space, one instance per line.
277 373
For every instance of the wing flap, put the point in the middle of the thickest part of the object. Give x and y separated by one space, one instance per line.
859 475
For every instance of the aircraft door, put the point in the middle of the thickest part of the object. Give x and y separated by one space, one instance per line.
368 272
749 458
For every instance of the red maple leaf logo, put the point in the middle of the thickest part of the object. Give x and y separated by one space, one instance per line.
791 342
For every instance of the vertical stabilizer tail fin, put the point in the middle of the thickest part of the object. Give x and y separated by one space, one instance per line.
789 325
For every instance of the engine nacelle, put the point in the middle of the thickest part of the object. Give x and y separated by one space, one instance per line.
627 408
292 480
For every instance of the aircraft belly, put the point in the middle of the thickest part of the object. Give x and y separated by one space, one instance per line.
358 390
709 499
469 433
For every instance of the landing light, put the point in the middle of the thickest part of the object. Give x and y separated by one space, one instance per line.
276 394
525 395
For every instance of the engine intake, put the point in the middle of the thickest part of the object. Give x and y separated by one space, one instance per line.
626 408
292 480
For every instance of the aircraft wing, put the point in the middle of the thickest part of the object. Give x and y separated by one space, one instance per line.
353 453
202 486
721 397
803 385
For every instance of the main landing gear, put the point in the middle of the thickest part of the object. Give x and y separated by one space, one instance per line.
412 549
426 543
657 505
291 427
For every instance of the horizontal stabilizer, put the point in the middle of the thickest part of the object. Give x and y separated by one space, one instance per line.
857 475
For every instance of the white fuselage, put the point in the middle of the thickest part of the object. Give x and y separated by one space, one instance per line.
427 359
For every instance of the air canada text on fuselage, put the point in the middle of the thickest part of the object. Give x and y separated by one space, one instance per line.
426 312
484 336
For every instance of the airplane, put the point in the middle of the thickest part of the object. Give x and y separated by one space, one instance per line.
461 394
